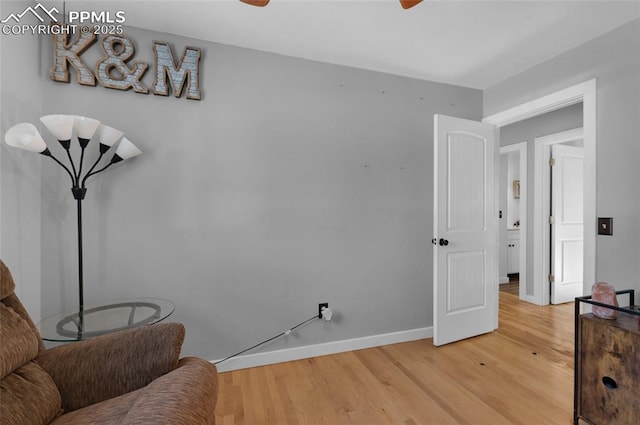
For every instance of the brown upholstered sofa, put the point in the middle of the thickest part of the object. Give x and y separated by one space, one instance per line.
129 377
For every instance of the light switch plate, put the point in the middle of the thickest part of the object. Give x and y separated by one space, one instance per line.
605 226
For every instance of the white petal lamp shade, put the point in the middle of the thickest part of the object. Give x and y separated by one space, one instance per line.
61 126
125 150
25 136
85 128
108 136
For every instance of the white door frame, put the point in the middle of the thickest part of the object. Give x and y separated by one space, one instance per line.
521 148
586 93
541 242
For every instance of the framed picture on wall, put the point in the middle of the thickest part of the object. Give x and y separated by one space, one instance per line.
516 189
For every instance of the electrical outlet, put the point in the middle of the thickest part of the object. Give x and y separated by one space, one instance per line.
320 306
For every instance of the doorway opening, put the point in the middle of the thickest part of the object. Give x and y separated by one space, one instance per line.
585 93
512 201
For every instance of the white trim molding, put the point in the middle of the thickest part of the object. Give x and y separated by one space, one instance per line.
334 347
551 102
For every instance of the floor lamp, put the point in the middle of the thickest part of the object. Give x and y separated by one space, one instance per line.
26 136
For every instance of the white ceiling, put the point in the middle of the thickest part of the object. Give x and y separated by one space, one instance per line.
467 43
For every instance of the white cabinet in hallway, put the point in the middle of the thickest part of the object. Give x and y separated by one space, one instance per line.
513 251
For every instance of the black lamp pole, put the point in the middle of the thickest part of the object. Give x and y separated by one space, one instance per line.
79 191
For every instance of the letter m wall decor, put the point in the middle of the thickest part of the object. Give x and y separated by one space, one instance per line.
185 74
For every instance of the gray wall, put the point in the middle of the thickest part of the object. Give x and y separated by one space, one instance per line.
20 101
527 130
614 60
291 183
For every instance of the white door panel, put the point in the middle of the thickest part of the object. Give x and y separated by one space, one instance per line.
465 185
465 287
465 227
568 227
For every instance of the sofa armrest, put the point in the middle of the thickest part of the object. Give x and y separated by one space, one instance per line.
107 366
187 395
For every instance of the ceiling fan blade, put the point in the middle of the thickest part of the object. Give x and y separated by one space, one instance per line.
406 4
259 3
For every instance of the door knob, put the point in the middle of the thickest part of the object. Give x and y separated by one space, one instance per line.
443 242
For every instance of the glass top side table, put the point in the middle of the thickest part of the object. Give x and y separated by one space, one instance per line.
101 318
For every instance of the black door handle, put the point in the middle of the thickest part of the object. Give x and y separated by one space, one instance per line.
444 242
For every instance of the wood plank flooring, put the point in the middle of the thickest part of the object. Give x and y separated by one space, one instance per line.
511 288
521 374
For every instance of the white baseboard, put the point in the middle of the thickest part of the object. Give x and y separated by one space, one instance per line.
504 279
297 353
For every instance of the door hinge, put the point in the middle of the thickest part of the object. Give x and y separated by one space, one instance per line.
552 220
552 278
552 162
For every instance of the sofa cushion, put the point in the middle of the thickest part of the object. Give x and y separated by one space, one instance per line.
29 397
19 341
186 395
7 286
108 412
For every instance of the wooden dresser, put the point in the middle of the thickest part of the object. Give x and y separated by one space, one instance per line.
608 369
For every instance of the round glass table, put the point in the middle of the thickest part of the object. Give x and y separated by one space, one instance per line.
104 317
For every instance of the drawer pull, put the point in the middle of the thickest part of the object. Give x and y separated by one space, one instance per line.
610 383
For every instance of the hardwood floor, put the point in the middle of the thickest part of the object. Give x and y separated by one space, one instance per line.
511 288
520 374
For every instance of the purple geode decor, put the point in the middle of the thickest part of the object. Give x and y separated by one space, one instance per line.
604 293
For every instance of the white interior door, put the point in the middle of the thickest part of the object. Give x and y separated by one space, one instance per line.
567 230
465 262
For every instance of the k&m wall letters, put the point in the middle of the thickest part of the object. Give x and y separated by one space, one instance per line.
116 70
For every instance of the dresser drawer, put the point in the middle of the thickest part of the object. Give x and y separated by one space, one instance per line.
609 370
